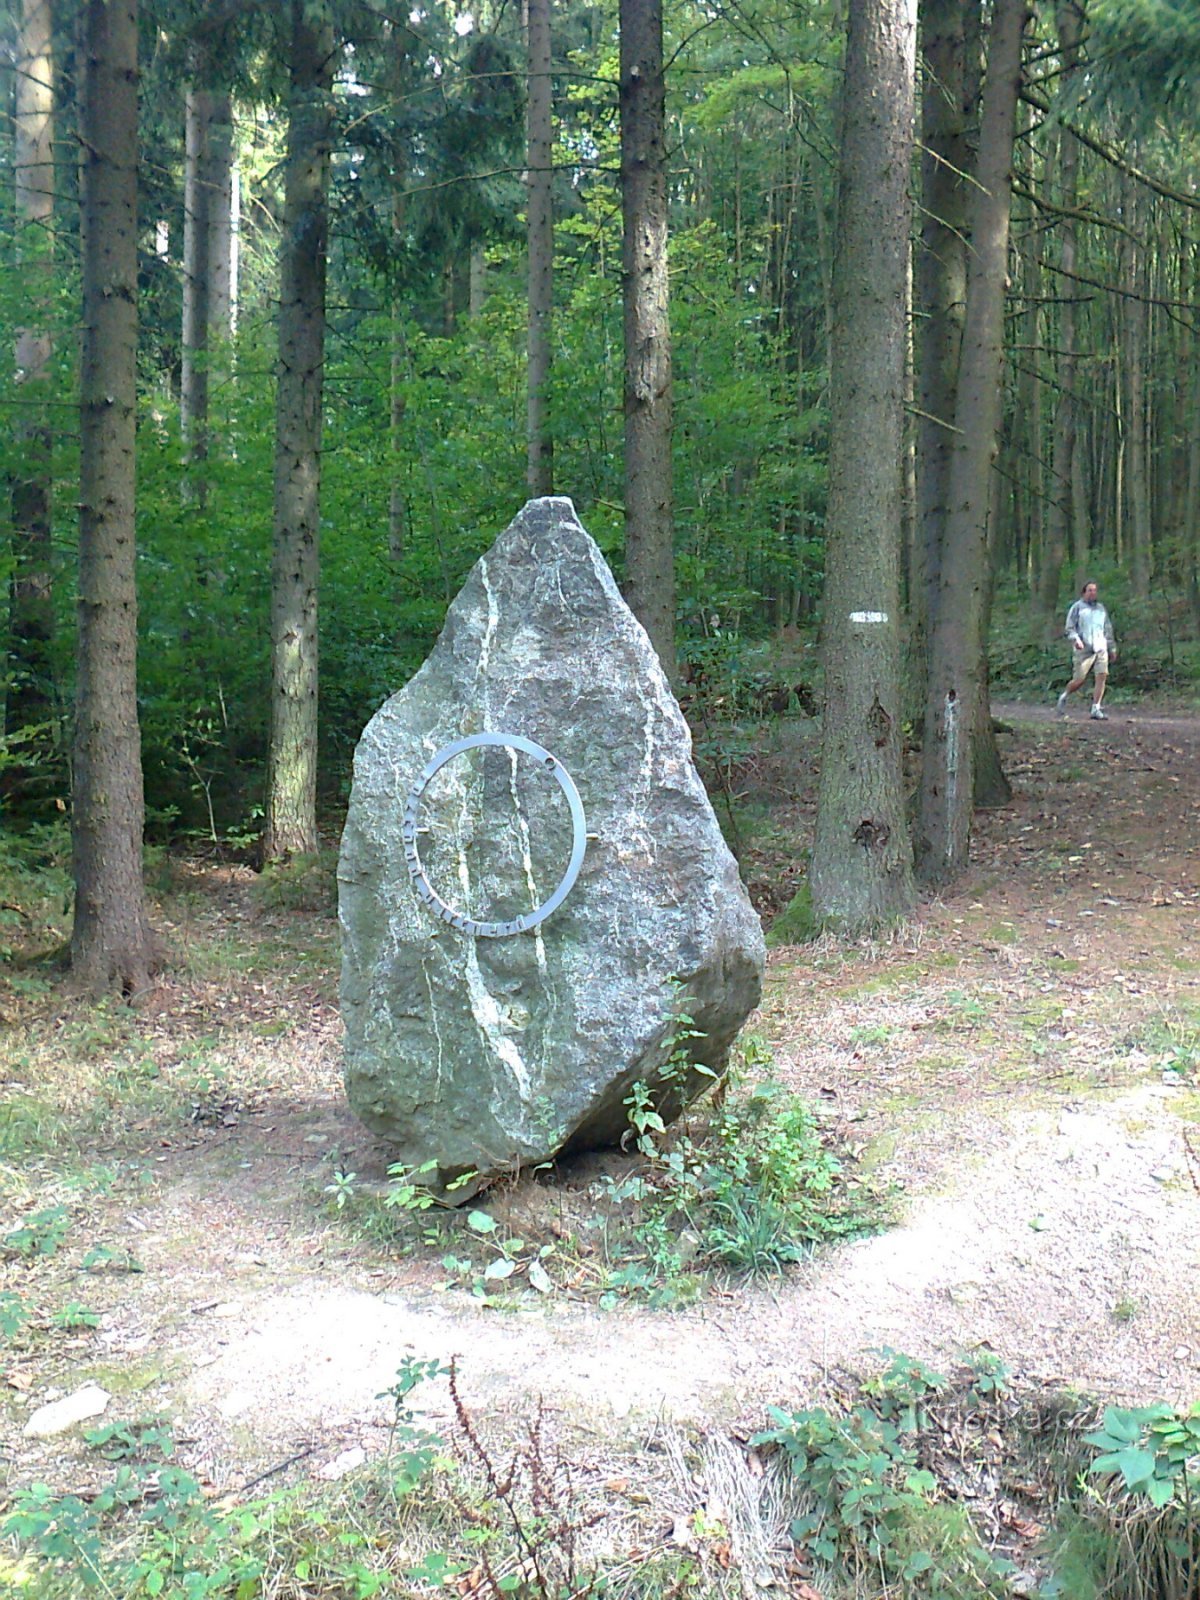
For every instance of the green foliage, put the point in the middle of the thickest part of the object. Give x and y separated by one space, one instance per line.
797 923
875 1508
36 893
303 883
1133 1525
419 1447
39 1235
14 1314
128 1441
509 1262
150 1530
1155 1450
74 1316
756 1191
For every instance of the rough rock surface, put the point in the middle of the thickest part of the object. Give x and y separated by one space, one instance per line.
56 1416
489 1053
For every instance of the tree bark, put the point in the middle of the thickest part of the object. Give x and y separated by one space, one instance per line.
649 498
111 944
1135 316
207 240
1192 423
990 786
540 231
291 821
1059 517
861 872
941 286
30 698
957 641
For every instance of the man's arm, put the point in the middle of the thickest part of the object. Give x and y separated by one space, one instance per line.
1072 628
1109 635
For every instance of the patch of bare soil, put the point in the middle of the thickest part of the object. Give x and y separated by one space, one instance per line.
1021 1061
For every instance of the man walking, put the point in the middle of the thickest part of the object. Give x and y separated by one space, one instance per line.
1092 647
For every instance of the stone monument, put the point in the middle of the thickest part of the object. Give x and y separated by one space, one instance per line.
533 887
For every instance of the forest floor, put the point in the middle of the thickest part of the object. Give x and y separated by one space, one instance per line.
1020 1063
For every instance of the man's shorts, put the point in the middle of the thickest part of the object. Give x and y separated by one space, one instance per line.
1082 662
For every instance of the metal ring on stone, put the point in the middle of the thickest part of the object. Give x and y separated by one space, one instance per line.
408 831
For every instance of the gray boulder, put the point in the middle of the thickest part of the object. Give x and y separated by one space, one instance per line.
488 1053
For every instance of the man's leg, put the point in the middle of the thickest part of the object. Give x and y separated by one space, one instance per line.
1101 683
1082 666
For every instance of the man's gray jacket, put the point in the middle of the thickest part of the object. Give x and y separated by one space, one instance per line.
1089 623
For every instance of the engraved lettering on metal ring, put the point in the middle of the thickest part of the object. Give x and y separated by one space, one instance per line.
409 830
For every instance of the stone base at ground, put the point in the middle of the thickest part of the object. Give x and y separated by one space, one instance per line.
485 1054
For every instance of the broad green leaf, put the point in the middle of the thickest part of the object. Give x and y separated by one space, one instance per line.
1135 1466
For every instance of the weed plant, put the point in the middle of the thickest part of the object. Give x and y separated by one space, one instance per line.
878 1523
1132 1527
746 1190
753 1190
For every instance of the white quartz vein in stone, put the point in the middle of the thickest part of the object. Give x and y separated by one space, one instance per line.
526 857
485 1008
486 1011
433 1016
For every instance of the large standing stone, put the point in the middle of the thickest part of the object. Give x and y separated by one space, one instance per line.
489 1053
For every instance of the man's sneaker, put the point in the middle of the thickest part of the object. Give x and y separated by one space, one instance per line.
1099 715
1061 704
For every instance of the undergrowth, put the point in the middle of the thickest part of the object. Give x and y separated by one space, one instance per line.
746 1188
913 1486
879 1521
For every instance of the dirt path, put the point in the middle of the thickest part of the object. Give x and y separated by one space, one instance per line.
1023 1060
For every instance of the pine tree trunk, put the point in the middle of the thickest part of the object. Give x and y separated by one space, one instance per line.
941 285
1059 520
1192 417
1135 350
956 674
991 786
207 240
31 618
477 280
649 500
861 872
291 823
112 947
540 229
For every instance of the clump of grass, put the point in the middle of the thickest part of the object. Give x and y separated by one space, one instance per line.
303 883
797 923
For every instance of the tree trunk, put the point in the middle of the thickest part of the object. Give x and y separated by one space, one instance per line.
957 640
941 284
111 944
861 872
30 696
540 228
1191 414
1059 521
649 501
477 280
207 238
991 786
1135 316
291 823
